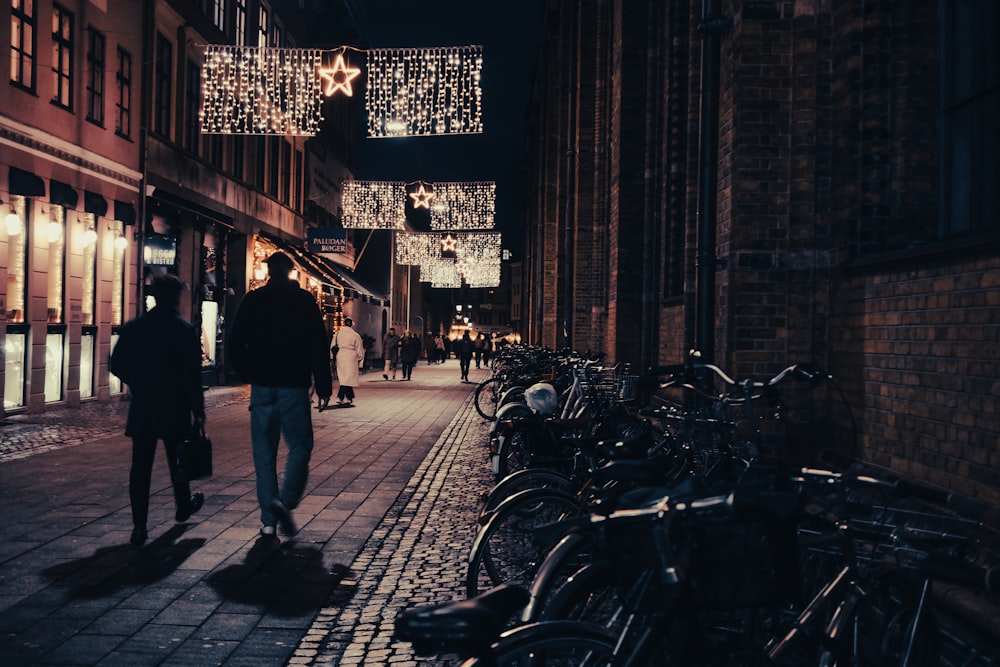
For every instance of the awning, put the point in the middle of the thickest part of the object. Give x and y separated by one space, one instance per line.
62 194
25 183
94 203
325 271
124 212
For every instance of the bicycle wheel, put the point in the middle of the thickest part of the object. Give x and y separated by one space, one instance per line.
522 480
487 397
513 453
553 644
506 549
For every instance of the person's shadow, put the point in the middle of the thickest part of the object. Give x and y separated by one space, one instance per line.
287 579
111 569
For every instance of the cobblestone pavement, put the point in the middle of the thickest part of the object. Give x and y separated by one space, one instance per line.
387 522
416 556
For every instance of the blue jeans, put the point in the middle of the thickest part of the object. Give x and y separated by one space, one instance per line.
277 411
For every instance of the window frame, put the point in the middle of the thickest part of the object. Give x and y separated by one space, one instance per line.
62 56
96 69
23 61
123 105
162 84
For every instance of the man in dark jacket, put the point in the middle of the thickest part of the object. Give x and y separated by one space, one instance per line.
278 344
158 355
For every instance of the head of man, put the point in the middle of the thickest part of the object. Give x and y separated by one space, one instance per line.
348 322
279 265
392 330
166 289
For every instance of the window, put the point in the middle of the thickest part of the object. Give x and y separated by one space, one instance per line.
219 14
161 92
970 137
62 57
240 22
56 231
88 280
274 160
286 172
95 76
192 100
22 43
263 25
123 105
276 34
296 201
260 162
239 157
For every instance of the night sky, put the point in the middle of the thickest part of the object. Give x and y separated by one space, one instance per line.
510 34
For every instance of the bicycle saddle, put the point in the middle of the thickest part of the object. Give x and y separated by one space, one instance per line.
462 627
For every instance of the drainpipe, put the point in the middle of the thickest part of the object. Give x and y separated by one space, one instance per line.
711 28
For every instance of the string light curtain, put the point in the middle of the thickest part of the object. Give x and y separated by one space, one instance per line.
261 90
373 205
469 205
479 273
414 248
440 273
414 92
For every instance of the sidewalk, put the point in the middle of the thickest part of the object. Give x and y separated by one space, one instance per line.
386 522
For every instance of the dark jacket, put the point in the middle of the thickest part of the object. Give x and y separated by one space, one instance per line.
278 340
390 346
158 355
409 349
464 347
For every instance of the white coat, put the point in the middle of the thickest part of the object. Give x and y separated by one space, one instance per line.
350 356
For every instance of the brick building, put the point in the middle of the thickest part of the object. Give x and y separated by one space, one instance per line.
850 220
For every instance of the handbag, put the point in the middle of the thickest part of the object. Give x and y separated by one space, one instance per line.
336 348
194 455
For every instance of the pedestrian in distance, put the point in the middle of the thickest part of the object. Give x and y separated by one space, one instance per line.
390 349
409 353
158 355
480 345
350 355
278 344
464 349
430 347
441 350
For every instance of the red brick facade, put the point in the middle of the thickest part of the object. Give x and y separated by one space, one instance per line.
831 240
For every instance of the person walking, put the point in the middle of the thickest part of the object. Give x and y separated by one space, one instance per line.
158 355
350 354
409 353
390 350
430 348
278 344
480 345
463 350
439 347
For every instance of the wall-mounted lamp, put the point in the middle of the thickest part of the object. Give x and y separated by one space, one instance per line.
54 228
12 221
89 236
121 242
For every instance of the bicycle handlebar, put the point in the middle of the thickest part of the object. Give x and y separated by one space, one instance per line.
897 487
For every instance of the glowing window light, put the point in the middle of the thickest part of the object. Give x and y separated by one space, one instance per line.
260 90
424 91
463 205
373 205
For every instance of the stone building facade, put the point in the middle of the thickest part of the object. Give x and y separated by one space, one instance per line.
850 217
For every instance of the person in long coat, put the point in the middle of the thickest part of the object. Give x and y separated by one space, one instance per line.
409 352
390 350
158 355
350 355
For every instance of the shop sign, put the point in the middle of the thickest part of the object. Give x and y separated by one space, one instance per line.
327 240
160 251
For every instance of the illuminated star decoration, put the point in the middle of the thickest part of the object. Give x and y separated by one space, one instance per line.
422 197
338 77
448 242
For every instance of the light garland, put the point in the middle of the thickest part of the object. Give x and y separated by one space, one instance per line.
373 205
414 248
480 273
463 205
440 273
424 91
260 90
338 77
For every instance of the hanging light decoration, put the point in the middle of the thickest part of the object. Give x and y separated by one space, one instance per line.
480 273
373 205
463 205
440 273
261 90
414 248
424 91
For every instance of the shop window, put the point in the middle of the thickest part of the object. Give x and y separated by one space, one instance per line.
55 230
15 350
23 43
88 355
115 385
55 343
